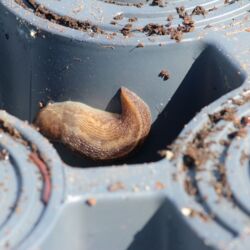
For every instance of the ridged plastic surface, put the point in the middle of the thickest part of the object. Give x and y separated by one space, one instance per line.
196 196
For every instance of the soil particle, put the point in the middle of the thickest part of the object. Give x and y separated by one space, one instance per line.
155 29
189 212
221 185
197 152
118 17
224 143
7 128
245 121
138 5
241 133
160 3
237 101
181 11
230 1
132 19
159 185
4 155
164 74
189 187
170 18
140 45
188 25
188 160
87 26
66 21
244 157
176 34
208 26
199 10
126 30
187 20
212 9
116 187
227 114
166 153
91 202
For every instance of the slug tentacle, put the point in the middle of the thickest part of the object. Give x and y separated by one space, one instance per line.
94 133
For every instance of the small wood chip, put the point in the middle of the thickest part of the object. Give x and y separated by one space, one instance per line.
116 187
159 185
132 19
91 202
118 17
140 45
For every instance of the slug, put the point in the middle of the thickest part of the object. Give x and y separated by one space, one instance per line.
94 133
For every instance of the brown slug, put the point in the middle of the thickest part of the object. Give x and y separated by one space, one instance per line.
94 133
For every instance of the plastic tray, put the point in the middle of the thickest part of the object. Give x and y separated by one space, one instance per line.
144 202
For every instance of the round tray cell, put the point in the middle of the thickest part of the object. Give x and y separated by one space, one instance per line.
27 184
123 21
212 156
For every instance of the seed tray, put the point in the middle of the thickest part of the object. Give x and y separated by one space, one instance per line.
195 197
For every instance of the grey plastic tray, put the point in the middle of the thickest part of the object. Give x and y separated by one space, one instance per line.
144 202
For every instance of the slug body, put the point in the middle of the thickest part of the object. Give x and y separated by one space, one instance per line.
94 133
